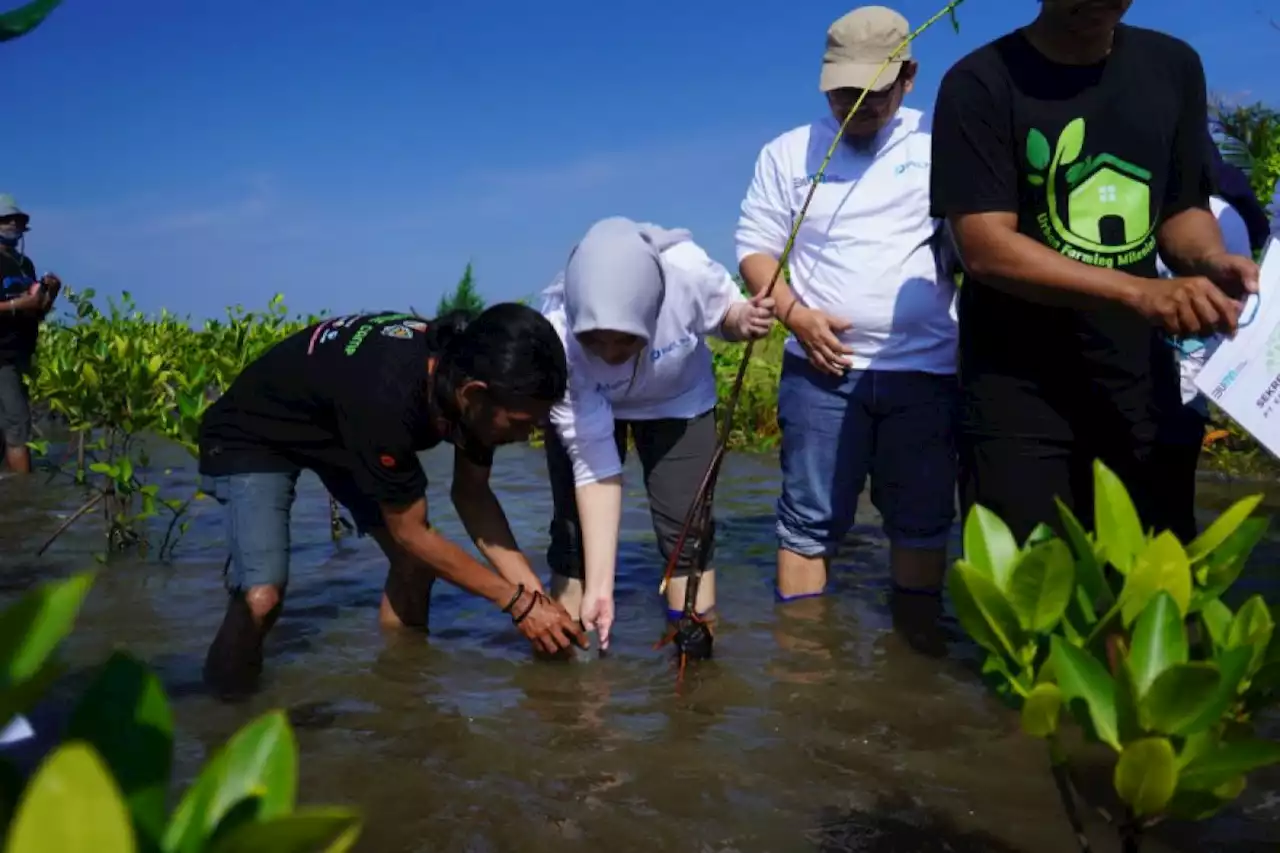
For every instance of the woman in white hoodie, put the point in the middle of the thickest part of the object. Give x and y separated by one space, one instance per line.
633 306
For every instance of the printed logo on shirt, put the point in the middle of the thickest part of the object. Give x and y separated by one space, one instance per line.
826 178
369 325
387 460
1107 200
910 164
400 332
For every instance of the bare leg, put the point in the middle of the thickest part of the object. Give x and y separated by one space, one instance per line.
706 592
233 663
406 597
18 459
799 575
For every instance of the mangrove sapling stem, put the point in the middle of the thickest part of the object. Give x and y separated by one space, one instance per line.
1066 793
62 528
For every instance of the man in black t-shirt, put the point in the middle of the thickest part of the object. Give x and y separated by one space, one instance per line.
355 399
1064 156
24 303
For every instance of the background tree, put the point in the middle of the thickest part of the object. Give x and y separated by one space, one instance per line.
464 297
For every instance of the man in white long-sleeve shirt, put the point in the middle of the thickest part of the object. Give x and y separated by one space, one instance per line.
868 383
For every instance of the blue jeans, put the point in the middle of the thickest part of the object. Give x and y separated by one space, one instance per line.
256 510
897 427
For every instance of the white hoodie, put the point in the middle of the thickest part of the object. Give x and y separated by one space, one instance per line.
648 281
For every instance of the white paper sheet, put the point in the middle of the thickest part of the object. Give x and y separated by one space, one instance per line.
1243 376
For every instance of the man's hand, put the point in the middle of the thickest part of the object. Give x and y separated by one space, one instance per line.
1191 306
749 321
52 286
819 333
1235 275
597 613
546 623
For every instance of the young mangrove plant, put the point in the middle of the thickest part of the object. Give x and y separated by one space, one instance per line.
105 787
1127 631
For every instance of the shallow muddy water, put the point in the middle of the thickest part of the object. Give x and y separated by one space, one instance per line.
815 729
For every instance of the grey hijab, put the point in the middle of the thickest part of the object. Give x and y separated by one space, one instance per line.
614 278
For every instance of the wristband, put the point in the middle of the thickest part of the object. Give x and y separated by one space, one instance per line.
514 598
533 602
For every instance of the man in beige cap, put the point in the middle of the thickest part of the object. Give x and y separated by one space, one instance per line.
868 383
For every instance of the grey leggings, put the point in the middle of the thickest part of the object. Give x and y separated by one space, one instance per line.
674 454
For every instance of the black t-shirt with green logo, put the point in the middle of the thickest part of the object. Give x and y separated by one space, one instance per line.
18 332
346 397
1093 159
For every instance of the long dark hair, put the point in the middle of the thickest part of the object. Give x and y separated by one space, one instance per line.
510 347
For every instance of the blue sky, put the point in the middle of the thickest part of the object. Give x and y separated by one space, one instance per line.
357 155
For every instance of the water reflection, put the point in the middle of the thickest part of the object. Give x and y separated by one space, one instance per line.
799 736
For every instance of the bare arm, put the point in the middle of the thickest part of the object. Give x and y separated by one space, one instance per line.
993 251
600 517
1188 239
757 271
408 528
486 523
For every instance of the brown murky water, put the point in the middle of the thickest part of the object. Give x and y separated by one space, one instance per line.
816 729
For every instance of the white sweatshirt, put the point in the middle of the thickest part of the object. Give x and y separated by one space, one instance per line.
864 251
673 377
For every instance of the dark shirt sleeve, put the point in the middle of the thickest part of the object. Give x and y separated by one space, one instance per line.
974 167
383 462
1191 167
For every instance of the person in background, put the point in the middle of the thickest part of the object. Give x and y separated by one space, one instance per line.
24 303
634 306
354 399
1065 154
1237 211
868 384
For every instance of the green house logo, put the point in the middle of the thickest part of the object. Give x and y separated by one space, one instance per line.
1107 199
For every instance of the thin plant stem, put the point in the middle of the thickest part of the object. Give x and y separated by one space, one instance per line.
1066 793
62 528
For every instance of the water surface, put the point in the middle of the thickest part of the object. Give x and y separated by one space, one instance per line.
815 729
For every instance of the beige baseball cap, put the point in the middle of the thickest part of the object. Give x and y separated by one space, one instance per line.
858 44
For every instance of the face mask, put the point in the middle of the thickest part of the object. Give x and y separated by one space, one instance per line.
10 237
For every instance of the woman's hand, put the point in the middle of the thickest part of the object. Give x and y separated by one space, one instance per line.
597 613
546 623
749 321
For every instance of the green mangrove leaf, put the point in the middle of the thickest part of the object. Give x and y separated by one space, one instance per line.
983 611
1039 534
259 763
1040 586
1082 678
1222 528
1230 760
1037 150
1196 805
1252 628
1070 144
1128 714
989 545
1147 775
1233 666
1179 697
1120 535
1089 574
72 806
1041 710
125 716
307 831
32 628
1159 640
1161 565
25 18
1217 619
1222 567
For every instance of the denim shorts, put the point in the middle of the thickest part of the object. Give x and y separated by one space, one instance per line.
256 510
896 427
15 407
